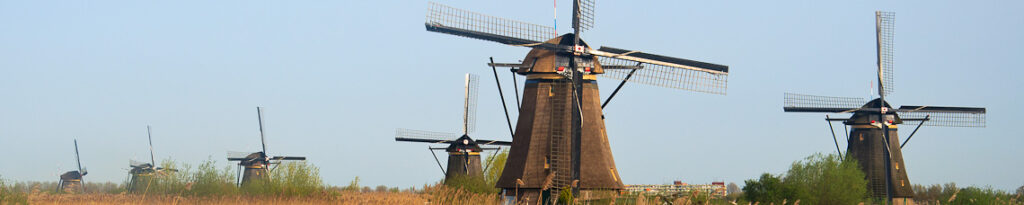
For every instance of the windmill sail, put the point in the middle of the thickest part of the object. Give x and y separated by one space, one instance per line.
584 17
884 38
152 157
445 19
945 116
237 156
402 134
814 103
469 115
666 76
263 139
133 163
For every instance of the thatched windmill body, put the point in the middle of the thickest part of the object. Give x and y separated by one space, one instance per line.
256 165
463 150
72 181
873 139
560 137
141 174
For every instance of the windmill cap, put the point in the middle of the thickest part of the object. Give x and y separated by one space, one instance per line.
464 143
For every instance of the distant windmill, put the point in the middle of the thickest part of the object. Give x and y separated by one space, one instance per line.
560 139
141 173
874 123
72 181
463 151
257 164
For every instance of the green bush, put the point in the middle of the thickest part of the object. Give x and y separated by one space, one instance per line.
825 179
494 165
353 185
474 184
207 180
288 179
767 189
9 195
819 179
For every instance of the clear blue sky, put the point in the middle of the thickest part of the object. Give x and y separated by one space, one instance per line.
337 78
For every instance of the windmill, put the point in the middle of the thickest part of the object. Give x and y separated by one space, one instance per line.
560 138
141 173
874 140
257 164
72 181
463 151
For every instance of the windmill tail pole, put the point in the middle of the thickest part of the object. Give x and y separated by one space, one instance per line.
834 137
438 161
616 91
491 159
515 87
511 132
915 131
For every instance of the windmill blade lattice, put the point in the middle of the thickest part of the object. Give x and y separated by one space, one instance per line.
445 19
814 103
133 163
885 21
945 116
585 20
469 115
234 155
668 77
402 133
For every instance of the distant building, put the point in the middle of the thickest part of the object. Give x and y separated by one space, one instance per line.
715 189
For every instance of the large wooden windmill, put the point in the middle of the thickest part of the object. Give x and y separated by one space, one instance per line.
560 139
463 151
72 181
141 173
257 164
874 140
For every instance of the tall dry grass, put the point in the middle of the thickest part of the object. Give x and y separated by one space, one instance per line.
336 198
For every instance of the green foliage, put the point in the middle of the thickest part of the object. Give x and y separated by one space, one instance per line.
825 179
950 194
161 182
819 179
10 196
207 180
494 165
288 179
565 196
353 185
474 184
767 189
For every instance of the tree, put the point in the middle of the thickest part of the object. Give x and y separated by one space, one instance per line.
494 165
819 179
1020 190
767 189
825 179
732 188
